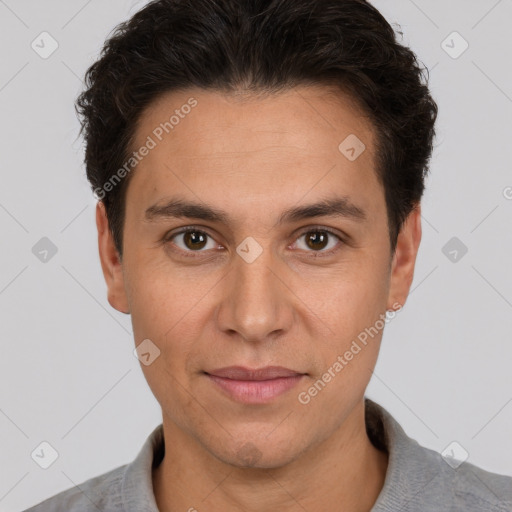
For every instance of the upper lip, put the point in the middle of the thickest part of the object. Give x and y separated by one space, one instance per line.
242 373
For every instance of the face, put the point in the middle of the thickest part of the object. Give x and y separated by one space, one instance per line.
260 277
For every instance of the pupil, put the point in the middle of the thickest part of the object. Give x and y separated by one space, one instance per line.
313 240
193 238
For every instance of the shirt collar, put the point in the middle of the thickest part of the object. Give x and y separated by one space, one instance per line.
137 486
409 470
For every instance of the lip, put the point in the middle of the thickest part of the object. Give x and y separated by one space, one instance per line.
254 386
243 373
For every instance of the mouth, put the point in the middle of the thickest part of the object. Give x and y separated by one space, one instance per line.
254 386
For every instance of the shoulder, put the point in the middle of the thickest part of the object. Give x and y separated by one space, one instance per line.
463 486
102 492
127 487
419 478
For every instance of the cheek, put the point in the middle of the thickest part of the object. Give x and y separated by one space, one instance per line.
160 296
347 299
168 314
171 311
348 356
353 312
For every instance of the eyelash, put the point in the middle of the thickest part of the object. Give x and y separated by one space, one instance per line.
192 254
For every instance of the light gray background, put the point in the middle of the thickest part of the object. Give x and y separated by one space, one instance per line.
68 374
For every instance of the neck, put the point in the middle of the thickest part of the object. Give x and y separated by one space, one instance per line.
345 472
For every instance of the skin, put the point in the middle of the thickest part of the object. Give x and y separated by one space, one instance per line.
254 157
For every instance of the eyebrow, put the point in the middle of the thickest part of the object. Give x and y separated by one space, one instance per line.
329 207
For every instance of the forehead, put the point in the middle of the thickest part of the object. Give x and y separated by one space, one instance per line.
309 115
220 146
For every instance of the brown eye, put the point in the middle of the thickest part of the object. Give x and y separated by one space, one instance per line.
318 240
192 240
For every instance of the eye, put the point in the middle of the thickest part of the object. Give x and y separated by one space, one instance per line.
191 240
318 240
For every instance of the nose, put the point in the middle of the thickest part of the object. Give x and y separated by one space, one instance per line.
257 303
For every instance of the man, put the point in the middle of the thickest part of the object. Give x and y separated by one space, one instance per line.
259 167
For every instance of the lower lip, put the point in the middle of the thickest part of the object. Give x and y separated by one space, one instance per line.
255 391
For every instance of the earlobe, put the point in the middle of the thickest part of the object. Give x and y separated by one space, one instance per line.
404 260
110 262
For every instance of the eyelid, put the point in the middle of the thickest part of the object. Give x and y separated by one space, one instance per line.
319 227
185 229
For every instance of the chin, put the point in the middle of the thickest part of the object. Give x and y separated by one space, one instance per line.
257 456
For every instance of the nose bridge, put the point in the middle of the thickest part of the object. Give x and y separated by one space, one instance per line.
256 303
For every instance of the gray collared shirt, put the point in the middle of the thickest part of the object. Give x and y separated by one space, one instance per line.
417 480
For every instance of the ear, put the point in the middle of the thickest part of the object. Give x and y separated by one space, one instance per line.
110 262
404 260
